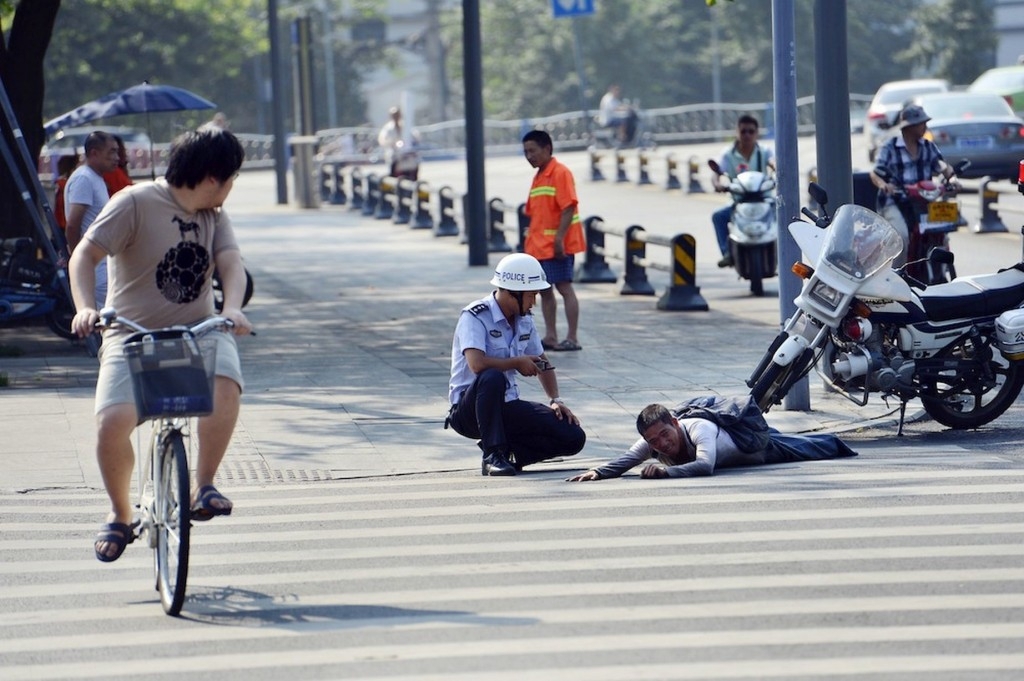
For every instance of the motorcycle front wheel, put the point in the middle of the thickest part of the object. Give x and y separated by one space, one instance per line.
967 399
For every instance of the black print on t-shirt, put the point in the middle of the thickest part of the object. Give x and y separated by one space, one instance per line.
180 275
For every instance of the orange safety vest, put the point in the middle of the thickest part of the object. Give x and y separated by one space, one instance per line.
553 191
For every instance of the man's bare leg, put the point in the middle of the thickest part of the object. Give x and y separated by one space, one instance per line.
549 308
116 459
572 309
215 433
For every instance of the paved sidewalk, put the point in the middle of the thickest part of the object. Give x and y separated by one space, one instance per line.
348 375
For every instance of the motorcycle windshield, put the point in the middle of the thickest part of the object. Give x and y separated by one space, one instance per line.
860 242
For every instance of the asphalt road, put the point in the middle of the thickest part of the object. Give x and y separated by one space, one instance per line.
365 544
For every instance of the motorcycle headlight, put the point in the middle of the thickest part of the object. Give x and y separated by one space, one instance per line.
825 294
752 219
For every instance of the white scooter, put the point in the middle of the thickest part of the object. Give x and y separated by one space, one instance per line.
753 230
958 346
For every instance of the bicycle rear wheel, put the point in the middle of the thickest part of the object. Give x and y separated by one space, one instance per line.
172 521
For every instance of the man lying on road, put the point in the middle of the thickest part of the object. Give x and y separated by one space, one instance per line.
688 447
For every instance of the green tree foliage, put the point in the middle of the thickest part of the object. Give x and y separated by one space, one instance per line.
100 46
218 50
661 51
955 40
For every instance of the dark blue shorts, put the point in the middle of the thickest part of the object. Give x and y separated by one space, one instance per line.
557 270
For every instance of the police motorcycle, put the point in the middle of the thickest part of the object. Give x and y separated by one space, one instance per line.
958 346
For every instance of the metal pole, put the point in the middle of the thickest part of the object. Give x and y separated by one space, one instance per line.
831 101
716 70
788 164
277 97
328 45
476 202
577 49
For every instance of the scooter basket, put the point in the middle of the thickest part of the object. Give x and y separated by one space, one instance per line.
172 373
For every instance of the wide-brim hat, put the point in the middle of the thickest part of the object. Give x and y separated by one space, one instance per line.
913 115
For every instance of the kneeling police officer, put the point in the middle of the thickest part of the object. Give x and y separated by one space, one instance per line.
495 339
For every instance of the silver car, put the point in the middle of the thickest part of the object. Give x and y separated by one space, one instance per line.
977 126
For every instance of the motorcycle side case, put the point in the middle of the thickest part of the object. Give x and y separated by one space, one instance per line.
1010 334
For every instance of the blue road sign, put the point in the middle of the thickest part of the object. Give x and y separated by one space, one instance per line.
572 8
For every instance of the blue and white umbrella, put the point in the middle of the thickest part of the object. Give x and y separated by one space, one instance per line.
138 99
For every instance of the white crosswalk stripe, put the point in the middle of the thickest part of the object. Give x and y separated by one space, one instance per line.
901 569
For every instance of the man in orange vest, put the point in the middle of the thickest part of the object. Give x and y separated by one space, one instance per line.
554 237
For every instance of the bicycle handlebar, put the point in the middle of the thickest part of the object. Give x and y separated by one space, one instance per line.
110 318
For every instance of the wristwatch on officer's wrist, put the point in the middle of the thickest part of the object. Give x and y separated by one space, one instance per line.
557 400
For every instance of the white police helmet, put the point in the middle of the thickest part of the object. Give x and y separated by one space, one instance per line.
519 272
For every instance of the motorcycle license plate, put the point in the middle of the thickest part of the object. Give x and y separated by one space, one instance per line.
943 211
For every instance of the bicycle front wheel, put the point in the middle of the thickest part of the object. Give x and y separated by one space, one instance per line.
172 521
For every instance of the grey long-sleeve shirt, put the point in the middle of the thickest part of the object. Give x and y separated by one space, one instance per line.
708 445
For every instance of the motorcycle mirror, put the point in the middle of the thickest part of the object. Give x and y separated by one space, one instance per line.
960 167
715 168
818 193
940 256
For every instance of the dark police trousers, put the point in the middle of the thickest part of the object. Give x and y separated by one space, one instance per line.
529 429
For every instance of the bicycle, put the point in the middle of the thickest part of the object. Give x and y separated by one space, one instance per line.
172 371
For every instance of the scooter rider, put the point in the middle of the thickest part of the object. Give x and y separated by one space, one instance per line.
744 154
495 339
906 159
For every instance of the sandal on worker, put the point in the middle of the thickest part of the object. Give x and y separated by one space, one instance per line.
567 346
203 508
548 346
118 534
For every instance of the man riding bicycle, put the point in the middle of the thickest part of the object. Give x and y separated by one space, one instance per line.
163 240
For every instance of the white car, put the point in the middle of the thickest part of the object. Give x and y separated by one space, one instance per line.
886 106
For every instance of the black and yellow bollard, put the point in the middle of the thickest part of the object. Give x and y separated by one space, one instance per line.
388 196
620 167
634 280
422 219
989 220
694 182
642 157
673 173
595 171
357 189
446 224
683 293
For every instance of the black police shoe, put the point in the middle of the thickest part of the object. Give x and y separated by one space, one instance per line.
496 463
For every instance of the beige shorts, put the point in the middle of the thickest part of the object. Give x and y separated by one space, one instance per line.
114 384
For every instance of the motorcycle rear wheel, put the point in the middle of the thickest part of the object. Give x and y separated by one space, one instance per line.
971 406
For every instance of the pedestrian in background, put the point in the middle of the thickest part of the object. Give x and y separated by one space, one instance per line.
65 166
118 178
554 237
85 195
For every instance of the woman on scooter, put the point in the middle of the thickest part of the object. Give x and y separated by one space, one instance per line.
904 160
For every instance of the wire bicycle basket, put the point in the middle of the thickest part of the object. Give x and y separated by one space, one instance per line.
172 373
